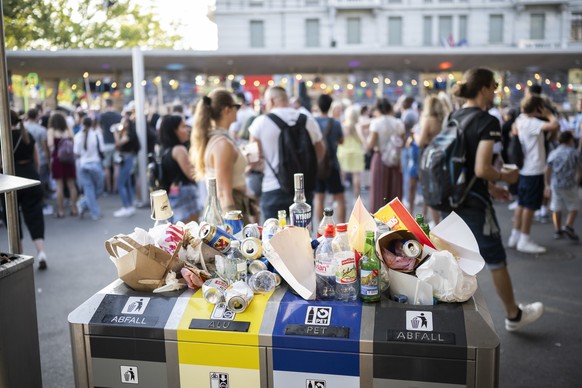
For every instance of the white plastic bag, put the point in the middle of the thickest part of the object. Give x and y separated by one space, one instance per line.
449 282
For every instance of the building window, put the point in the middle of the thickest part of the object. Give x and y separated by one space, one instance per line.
395 31
495 29
257 3
463 29
537 26
311 2
257 33
576 29
312 33
445 29
427 31
354 31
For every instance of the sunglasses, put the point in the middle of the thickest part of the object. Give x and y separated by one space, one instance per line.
236 106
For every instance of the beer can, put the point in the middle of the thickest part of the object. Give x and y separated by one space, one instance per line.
215 237
213 290
234 218
400 298
411 249
238 296
251 248
252 230
257 265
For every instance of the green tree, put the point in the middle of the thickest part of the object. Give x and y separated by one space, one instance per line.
67 24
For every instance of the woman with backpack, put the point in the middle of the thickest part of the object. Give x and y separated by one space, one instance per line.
177 170
60 142
481 132
386 139
88 148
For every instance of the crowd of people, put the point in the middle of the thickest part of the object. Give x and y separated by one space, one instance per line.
372 149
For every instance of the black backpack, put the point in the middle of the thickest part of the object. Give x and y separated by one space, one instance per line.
442 169
296 154
325 165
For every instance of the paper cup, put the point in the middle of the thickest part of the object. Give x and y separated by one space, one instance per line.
160 205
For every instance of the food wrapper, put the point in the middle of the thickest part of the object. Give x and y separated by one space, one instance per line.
395 215
449 282
360 221
167 236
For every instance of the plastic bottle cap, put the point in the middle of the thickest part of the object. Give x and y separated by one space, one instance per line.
328 211
329 230
343 227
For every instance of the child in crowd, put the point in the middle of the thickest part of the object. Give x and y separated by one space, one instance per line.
560 180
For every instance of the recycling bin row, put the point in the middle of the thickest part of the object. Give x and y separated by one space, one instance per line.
123 338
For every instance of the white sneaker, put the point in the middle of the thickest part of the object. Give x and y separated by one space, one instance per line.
529 313
528 246
123 212
512 206
130 211
513 239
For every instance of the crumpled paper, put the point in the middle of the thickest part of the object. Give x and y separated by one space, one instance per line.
449 282
168 236
172 283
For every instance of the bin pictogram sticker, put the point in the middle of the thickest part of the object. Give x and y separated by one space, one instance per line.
218 380
317 315
221 311
129 374
419 320
135 305
314 383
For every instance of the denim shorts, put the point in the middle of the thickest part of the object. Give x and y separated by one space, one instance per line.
530 191
565 199
332 185
490 246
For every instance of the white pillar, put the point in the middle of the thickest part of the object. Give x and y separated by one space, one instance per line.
140 120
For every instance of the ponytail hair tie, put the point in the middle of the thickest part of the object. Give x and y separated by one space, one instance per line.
207 100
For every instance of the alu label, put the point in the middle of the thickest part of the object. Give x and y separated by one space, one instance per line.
221 311
218 380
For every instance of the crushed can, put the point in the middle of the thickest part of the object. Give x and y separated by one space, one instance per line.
238 296
412 249
213 290
252 230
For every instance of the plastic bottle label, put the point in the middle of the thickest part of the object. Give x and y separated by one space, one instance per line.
324 268
369 282
346 268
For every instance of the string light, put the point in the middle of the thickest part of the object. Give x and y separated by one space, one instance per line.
85 75
114 85
375 80
399 83
387 81
363 84
518 86
230 77
74 87
548 81
350 86
529 83
128 85
413 82
144 82
257 83
98 83
243 82
426 84
309 84
298 77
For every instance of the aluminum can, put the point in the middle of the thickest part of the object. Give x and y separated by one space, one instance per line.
251 248
215 237
411 249
257 265
234 218
238 296
213 290
252 230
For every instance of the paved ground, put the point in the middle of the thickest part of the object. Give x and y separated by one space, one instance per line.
545 354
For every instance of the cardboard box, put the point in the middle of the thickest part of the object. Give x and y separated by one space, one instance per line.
142 268
395 215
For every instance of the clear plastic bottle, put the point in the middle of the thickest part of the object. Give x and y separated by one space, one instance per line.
235 264
326 220
369 271
263 282
212 211
346 273
300 210
325 266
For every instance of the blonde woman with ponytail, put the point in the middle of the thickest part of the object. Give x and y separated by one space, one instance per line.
215 154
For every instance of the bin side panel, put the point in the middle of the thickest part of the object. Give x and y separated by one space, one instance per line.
136 315
419 369
284 379
232 356
118 373
128 349
316 362
198 308
318 318
407 384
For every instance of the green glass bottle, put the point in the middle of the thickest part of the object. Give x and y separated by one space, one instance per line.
369 269
423 225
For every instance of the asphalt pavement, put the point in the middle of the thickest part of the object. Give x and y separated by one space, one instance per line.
544 354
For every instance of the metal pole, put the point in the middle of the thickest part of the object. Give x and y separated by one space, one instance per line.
140 120
14 245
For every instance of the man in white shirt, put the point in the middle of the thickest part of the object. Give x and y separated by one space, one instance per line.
266 133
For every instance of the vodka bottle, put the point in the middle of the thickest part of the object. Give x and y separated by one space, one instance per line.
369 271
212 211
300 211
346 274
235 264
327 219
325 266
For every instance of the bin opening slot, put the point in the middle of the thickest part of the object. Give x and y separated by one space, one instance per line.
318 331
219 324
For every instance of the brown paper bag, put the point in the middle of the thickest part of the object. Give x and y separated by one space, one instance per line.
142 268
